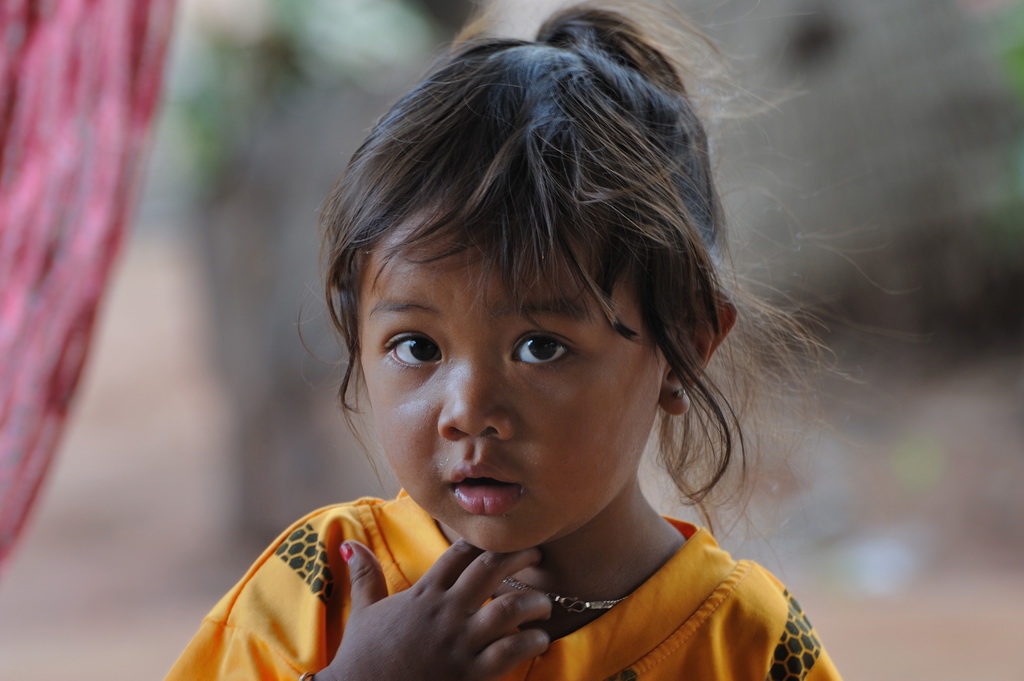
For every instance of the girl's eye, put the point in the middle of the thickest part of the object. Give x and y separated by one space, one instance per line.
416 351
539 350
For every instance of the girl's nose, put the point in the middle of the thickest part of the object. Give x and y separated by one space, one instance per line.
475 405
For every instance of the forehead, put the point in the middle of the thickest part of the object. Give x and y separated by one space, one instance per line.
394 279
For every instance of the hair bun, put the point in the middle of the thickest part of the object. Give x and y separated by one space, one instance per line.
628 42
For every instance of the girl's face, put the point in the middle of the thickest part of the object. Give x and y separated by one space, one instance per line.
512 431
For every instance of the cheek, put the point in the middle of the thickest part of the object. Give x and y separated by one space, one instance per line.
608 422
622 408
404 420
408 446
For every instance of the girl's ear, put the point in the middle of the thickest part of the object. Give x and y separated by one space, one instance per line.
673 398
706 341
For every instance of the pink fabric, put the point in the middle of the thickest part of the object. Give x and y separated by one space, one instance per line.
79 82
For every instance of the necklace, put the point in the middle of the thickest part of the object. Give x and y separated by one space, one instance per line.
568 602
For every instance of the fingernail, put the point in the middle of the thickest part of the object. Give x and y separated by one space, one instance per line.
346 551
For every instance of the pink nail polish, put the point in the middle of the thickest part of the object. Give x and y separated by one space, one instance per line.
346 551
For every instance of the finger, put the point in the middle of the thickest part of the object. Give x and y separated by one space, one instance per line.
481 578
447 569
505 654
506 613
364 574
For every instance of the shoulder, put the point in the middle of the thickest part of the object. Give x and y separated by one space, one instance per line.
309 546
736 620
301 564
777 634
288 611
304 560
740 590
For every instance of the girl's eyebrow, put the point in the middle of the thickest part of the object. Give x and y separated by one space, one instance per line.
390 306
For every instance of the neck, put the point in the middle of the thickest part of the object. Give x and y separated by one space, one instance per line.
605 560
610 558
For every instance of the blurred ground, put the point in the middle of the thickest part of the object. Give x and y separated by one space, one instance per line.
905 548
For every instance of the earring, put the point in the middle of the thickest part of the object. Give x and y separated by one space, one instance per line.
678 394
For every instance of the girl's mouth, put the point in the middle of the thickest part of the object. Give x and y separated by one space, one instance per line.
487 496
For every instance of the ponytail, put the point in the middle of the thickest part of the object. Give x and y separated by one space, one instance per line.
585 29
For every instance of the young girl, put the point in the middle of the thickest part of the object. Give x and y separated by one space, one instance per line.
525 261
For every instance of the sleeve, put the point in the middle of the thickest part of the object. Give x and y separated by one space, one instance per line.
799 653
222 653
286 615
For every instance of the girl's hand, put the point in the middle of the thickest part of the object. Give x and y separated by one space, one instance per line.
437 629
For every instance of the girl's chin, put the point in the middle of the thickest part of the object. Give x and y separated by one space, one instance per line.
486 539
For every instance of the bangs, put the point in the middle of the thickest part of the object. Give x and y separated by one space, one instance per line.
517 251
507 188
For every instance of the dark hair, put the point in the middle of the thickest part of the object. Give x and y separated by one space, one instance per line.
580 150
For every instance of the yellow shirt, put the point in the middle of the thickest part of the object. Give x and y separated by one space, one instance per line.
701 616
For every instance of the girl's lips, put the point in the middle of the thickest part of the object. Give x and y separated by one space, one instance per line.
487 496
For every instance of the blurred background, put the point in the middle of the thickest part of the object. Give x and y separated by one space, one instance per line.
873 172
